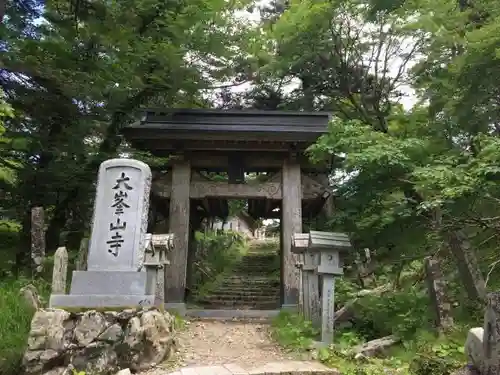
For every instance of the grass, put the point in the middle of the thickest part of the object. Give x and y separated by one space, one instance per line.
422 354
15 321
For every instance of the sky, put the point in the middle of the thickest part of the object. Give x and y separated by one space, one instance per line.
408 100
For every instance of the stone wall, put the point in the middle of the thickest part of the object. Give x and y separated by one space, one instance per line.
98 342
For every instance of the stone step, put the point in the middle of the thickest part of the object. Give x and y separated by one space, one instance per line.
244 292
258 260
248 285
252 272
247 277
252 278
240 305
254 265
238 298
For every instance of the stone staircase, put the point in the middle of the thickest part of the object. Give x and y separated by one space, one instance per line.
250 286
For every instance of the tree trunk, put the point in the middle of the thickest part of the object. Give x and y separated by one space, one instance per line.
469 271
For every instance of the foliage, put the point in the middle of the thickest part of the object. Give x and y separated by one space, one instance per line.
216 252
411 178
293 332
408 311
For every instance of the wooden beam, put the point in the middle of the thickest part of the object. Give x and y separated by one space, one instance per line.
252 161
214 189
221 189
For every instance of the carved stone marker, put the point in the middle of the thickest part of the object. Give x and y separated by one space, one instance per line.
474 347
328 245
60 271
437 293
115 276
37 239
491 338
157 246
83 252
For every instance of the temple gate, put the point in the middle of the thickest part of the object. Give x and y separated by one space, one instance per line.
235 142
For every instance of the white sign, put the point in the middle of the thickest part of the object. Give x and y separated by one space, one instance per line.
120 216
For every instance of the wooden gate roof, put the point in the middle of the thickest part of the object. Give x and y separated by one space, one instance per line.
163 131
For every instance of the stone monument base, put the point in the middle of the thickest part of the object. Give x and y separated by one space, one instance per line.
64 343
108 282
89 301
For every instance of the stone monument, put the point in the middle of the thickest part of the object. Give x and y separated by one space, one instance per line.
328 245
115 276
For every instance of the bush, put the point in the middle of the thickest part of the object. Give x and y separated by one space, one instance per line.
9 240
401 313
15 321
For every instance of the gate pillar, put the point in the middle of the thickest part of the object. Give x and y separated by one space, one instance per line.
291 222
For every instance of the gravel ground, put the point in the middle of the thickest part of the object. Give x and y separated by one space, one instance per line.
206 343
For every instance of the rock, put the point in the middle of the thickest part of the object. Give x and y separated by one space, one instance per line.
30 295
474 347
111 316
96 358
111 334
58 371
376 347
49 330
96 342
126 314
124 372
156 339
89 327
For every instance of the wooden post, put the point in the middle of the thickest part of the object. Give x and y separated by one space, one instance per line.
60 271
299 266
37 239
291 222
311 281
175 280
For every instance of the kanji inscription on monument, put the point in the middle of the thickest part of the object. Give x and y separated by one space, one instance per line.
118 230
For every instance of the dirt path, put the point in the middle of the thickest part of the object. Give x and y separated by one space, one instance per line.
206 343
